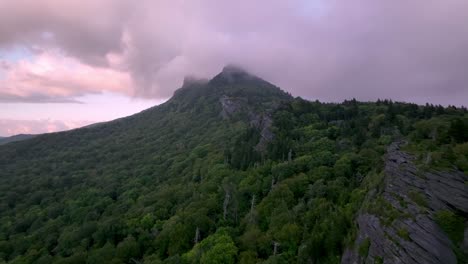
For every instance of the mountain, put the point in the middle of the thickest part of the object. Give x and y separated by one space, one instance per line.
235 170
19 137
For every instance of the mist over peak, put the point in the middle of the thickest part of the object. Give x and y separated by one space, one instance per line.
330 50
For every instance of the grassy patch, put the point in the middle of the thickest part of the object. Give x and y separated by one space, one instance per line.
452 224
403 233
378 260
384 210
421 172
418 198
401 200
364 248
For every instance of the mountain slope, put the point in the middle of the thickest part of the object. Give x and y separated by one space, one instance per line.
230 169
5 140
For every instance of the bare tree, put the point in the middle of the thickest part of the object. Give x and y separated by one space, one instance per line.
197 235
227 198
252 204
275 247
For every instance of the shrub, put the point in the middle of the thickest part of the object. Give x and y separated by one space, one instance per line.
364 248
403 233
418 198
452 225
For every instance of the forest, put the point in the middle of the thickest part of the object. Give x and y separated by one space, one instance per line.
263 178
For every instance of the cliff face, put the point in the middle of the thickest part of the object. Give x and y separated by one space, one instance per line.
416 216
261 121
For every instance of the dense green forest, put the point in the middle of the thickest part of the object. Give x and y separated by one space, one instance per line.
231 170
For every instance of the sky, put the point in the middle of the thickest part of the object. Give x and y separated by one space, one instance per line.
65 64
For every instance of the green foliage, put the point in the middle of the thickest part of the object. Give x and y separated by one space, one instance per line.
384 210
403 233
216 248
378 260
452 224
418 198
441 142
363 249
458 130
128 249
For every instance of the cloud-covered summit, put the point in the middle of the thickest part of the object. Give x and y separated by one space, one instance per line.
331 50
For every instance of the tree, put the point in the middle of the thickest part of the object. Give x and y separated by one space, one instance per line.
216 248
459 130
128 249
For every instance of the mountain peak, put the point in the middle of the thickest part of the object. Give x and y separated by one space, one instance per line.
232 82
190 80
232 68
233 73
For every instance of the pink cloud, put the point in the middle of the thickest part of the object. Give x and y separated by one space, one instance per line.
52 76
10 127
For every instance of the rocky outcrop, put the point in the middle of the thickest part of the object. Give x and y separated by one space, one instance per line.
262 122
230 106
398 224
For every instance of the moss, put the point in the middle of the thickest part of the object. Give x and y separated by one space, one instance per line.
389 237
403 233
401 200
350 238
452 224
420 172
364 248
418 198
385 211
378 260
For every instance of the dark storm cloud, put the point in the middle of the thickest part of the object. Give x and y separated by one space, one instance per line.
413 50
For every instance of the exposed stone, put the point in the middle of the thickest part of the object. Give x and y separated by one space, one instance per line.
266 135
415 196
232 106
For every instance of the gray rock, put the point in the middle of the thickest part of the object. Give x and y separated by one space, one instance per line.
414 196
235 106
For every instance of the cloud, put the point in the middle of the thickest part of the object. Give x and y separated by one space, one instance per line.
87 29
331 50
51 78
10 127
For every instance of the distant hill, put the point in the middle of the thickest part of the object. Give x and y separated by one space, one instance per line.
235 170
19 137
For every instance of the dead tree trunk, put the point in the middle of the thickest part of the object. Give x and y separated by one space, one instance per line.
197 236
227 197
252 204
252 208
275 247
